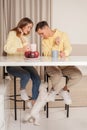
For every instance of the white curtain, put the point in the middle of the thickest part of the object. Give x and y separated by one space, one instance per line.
11 11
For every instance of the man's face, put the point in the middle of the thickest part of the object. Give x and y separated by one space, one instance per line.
43 32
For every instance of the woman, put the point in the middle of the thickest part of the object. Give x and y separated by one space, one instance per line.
17 44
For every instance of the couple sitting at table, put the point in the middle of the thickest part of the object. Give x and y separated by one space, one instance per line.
17 44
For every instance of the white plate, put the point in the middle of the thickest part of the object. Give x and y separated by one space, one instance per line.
31 58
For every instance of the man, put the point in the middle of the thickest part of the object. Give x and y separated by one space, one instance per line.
55 39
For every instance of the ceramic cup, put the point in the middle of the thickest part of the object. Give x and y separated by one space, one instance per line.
54 54
33 47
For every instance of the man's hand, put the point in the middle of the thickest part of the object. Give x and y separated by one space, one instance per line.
62 54
57 40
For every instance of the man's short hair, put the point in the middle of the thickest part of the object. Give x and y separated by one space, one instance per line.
40 25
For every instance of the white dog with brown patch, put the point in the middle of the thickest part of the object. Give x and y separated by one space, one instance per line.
42 99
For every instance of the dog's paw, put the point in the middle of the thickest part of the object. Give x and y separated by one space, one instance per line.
31 120
37 123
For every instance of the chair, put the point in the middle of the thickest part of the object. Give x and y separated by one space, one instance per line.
46 78
14 96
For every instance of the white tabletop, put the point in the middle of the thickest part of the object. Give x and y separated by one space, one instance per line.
42 61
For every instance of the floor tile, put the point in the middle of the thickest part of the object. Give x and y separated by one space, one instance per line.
57 120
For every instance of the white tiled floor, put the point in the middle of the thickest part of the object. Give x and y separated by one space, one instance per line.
56 121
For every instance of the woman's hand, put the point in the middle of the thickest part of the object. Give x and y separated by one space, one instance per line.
21 32
21 35
25 48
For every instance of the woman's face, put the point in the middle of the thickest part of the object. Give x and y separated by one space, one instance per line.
26 29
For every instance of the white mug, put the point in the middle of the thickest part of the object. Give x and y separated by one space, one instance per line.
33 46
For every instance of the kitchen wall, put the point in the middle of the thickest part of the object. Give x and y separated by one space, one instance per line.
79 49
70 16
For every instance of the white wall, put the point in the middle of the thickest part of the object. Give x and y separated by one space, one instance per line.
71 16
83 69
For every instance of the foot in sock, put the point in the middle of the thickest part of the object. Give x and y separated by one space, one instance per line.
66 97
29 104
24 95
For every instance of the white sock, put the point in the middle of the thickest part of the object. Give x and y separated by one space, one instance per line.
29 104
24 95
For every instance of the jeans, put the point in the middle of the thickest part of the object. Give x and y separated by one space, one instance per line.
25 74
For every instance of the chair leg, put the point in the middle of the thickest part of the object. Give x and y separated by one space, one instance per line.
4 72
24 105
47 110
67 109
47 104
65 106
15 104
